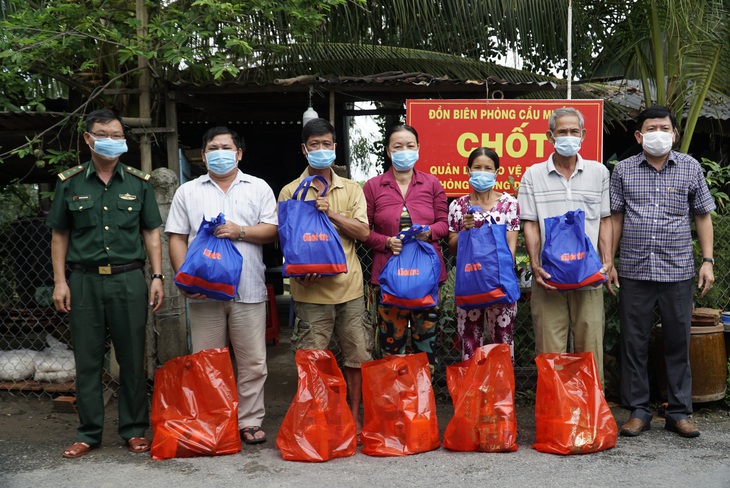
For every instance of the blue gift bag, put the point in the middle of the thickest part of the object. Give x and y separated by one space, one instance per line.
308 238
411 279
568 254
485 271
212 266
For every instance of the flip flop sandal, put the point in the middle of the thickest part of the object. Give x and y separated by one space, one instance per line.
252 432
76 450
138 445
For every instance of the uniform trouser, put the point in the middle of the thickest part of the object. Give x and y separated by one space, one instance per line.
557 312
214 324
636 303
117 302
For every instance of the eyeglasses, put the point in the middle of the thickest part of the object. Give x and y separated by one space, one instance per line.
115 137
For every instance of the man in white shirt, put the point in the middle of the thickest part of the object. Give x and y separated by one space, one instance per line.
249 207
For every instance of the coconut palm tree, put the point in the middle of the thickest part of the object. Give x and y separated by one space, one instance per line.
679 51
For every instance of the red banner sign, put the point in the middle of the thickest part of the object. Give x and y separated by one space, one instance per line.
449 130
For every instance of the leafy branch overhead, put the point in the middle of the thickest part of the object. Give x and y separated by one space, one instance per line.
49 48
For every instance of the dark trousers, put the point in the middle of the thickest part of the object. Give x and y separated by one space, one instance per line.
637 301
118 303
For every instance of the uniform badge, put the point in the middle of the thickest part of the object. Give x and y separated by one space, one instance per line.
81 197
127 196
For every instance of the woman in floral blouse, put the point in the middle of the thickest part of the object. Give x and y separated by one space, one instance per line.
483 165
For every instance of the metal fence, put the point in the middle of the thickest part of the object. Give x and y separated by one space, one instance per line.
35 356
34 339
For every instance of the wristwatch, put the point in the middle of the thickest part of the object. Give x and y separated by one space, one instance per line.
158 275
708 260
241 233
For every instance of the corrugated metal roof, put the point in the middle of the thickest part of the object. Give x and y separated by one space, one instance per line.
630 93
389 78
28 121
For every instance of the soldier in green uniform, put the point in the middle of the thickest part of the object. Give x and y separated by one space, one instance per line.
103 218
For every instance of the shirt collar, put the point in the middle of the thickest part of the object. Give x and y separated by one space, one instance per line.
91 170
671 159
240 177
388 178
579 164
334 178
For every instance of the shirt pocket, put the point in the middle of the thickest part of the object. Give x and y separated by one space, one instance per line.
128 212
677 201
81 213
591 206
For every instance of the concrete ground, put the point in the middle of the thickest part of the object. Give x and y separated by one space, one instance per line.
32 437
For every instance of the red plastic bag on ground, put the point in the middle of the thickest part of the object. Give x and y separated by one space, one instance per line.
571 414
195 407
400 409
318 425
483 391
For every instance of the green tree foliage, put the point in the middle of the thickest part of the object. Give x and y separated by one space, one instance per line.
55 47
79 49
679 51
535 31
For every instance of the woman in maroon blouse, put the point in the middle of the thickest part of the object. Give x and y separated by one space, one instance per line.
397 199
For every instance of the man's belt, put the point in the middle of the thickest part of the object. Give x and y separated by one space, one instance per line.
109 269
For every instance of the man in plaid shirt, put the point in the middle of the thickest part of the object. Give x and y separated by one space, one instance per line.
654 196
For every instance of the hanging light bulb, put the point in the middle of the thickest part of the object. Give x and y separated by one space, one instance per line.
310 113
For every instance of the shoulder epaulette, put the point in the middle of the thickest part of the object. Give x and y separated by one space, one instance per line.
135 172
70 172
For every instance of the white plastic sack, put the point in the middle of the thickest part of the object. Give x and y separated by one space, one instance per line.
56 361
55 358
17 365
55 376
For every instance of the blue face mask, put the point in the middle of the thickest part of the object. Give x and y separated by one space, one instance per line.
109 148
221 161
482 181
321 158
404 160
567 145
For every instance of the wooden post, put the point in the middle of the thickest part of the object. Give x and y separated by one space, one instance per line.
332 108
145 145
173 160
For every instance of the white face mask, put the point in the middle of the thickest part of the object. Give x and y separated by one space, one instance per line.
567 145
657 143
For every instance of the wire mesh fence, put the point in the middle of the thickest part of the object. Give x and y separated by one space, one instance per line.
35 356
36 353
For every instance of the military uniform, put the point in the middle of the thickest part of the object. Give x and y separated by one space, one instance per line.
108 288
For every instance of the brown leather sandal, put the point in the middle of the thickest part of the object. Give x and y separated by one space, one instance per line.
76 450
138 445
